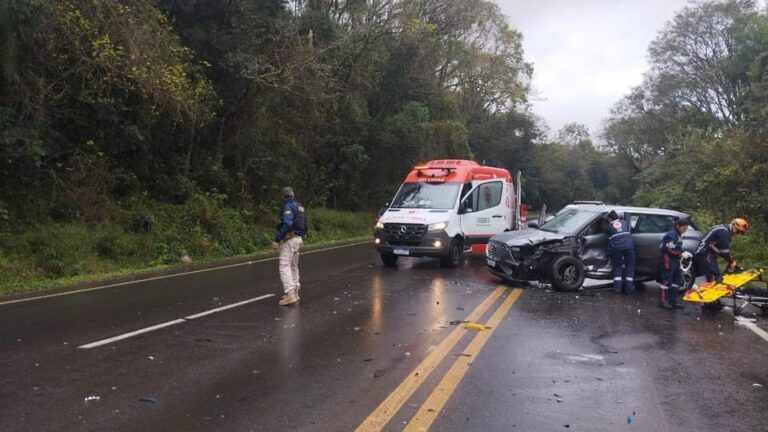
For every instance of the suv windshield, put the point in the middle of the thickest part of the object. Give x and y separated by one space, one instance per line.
569 221
427 196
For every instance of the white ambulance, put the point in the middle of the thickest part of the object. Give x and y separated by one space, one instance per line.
445 208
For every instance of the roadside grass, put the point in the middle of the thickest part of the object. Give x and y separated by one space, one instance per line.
143 236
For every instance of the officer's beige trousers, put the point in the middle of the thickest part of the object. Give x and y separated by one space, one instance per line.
289 263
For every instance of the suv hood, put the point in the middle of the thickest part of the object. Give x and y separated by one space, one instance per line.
417 216
527 237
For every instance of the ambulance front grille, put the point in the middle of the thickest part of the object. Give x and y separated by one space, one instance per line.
399 232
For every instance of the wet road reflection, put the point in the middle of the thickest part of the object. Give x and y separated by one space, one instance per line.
587 360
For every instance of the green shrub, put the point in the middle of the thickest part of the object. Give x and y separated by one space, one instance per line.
139 232
59 249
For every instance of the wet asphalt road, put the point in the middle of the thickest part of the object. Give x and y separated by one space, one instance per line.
555 361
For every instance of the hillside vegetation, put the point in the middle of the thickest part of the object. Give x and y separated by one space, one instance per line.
133 131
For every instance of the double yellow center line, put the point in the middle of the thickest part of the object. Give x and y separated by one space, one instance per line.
435 402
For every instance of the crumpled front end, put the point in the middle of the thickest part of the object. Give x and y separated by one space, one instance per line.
509 262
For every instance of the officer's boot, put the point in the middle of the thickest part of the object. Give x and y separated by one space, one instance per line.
629 286
289 298
663 292
617 284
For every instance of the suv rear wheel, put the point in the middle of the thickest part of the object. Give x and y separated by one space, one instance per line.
566 273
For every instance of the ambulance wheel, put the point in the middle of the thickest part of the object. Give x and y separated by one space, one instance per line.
389 259
455 254
566 273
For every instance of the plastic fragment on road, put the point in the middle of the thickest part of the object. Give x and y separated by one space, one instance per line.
91 398
457 322
757 385
148 399
629 419
474 326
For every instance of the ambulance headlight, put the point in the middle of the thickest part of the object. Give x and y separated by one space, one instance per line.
438 226
379 225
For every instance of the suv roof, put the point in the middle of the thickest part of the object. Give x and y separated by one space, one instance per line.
625 209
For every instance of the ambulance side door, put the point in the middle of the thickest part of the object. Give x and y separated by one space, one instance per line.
483 212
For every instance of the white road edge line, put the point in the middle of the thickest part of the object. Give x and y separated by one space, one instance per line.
752 326
169 276
169 323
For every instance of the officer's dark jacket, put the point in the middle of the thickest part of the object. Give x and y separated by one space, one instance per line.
672 243
619 235
292 219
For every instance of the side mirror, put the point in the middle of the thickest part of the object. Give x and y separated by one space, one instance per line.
384 209
533 225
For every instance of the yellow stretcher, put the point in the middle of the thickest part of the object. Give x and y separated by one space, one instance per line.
710 294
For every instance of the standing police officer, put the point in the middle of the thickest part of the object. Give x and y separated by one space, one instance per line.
622 250
717 242
669 264
288 240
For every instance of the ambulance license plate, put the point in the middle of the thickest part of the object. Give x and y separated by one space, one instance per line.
401 251
491 263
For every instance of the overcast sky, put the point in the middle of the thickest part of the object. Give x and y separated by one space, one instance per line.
586 54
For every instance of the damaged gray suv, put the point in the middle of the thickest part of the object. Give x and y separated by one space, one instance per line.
572 246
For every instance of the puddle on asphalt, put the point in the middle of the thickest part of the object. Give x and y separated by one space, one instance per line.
626 342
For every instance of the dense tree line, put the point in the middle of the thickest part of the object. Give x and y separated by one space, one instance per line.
104 100
107 98
695 130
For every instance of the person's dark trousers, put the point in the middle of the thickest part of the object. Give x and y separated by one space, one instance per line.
706 263
623 262
671 281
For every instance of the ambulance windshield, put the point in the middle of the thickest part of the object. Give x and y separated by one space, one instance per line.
427 196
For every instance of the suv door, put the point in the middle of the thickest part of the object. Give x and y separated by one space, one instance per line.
482 211
594 245
647 231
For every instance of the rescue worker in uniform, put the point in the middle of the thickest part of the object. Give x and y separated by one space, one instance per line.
671 276
622 251
717 242
288 241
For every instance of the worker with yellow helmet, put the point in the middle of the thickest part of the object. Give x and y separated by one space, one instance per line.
717 242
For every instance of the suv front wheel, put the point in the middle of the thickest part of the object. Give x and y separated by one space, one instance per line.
566 273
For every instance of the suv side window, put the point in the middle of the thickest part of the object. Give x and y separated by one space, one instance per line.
487 195
652 224
597 227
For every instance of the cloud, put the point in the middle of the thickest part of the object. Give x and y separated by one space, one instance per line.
587 54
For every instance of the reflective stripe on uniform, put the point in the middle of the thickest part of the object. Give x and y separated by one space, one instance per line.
616 235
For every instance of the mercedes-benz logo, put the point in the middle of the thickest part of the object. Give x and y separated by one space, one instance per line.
403 229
